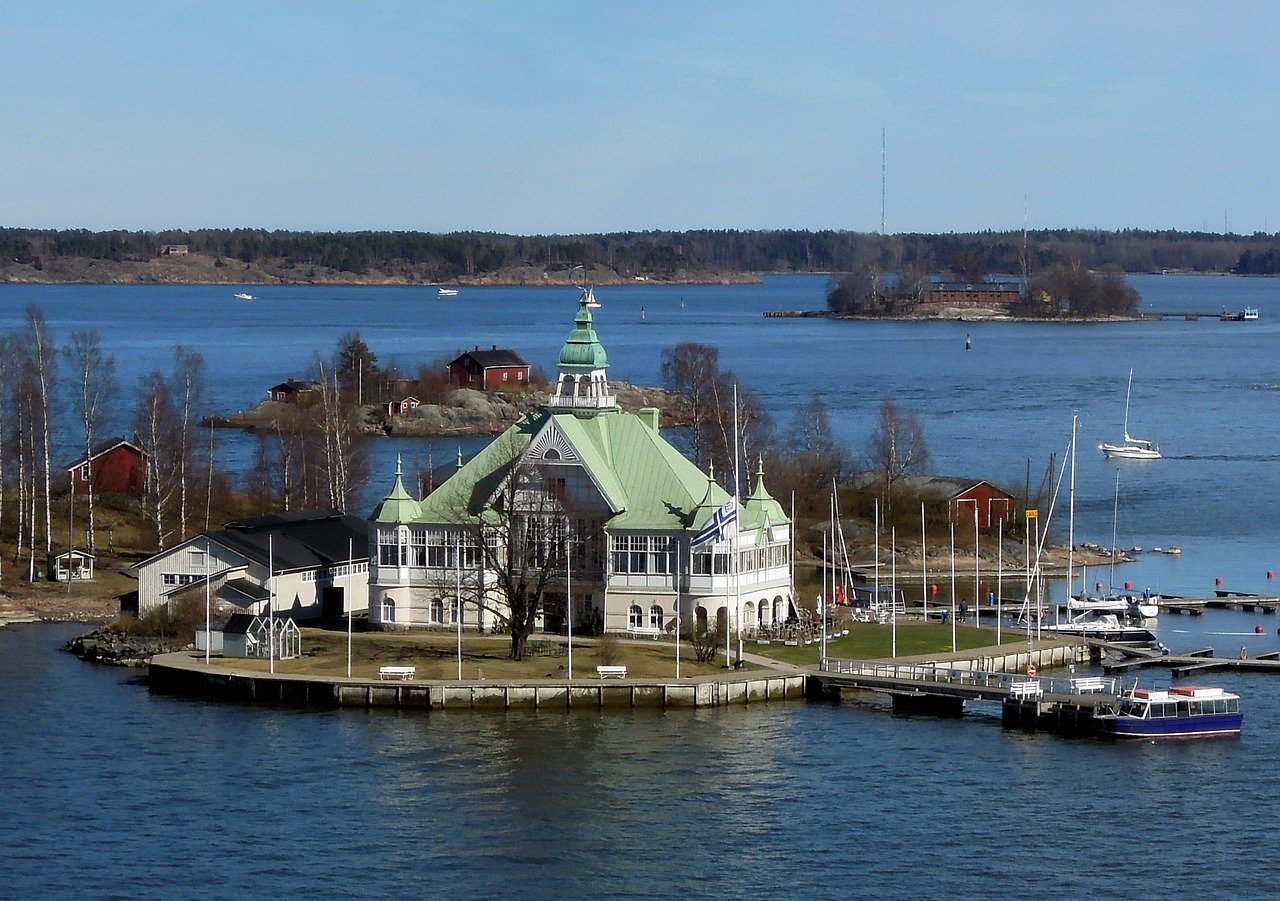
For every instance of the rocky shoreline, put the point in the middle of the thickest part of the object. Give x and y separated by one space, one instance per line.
465 412
108 645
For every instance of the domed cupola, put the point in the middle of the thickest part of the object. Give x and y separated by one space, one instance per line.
582 384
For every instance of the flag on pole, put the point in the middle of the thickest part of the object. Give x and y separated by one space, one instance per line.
722 526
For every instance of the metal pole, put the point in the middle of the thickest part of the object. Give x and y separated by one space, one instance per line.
893 588
457 588
208 600
350 582
924 566
876 533
953 587
568 600
977 593
999 579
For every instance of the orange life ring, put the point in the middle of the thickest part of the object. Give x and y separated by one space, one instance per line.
1031 670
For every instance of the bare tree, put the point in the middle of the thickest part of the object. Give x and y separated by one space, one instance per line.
42 357
189 398
897 446
345 462
156 426
519 529
95 391
692 369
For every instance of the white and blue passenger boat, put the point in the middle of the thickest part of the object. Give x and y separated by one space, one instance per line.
1186 711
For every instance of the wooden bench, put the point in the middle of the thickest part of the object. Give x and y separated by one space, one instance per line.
1089 684
403 673
611 672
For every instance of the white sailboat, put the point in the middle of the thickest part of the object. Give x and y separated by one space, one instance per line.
1132 448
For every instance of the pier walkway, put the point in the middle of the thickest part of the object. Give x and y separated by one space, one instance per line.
1223 599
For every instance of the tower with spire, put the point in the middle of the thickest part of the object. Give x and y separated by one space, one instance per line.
582 385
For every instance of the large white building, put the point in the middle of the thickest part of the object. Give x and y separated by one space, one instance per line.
606 506
314 562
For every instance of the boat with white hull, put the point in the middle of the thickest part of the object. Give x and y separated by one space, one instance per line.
1132 448
1103 627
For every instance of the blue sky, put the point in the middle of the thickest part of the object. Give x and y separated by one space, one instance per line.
565 117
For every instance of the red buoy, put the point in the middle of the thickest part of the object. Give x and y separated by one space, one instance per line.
1270 574
1258 629
1128 586
1217 581
1097 586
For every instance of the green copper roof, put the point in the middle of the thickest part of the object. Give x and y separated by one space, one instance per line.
761 509
398 506
647 483
583 350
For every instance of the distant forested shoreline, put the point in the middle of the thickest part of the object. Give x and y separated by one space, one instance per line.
404 257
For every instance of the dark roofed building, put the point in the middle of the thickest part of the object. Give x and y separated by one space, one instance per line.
489 370
314 562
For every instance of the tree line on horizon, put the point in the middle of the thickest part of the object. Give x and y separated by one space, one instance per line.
425 256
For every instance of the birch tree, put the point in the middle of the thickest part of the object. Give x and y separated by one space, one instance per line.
42 358
155 423
94 392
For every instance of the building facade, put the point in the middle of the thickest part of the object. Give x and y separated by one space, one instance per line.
593 504
113 467
489 370
313 563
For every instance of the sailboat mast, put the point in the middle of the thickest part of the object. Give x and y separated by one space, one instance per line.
1127 392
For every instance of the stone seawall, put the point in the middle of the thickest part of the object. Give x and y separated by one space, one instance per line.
182 674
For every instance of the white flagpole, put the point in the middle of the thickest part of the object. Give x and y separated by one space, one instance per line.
977 596
999 577
924 566
209 637
737 530
876 532
568 597
271 604
893 586
350 598
953 587
457 573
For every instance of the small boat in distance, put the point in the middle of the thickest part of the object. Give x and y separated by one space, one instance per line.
1132 448
1248 314
243 296
1185 711
591 299
448 292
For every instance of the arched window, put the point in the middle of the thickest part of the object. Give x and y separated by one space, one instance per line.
655 617
437 610
551 454
388 610
635 617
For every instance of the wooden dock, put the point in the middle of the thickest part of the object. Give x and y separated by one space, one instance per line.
1223 599
1184 664
1191 316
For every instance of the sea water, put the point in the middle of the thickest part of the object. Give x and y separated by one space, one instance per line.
113 792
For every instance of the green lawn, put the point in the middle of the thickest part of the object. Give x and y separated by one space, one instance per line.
867 641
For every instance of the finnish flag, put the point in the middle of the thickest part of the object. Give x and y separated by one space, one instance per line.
722 526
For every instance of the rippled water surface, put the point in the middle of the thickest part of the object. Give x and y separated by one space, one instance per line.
113 792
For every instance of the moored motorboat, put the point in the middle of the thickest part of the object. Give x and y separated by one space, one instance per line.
243 296
448 292
1103 627
1184 711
